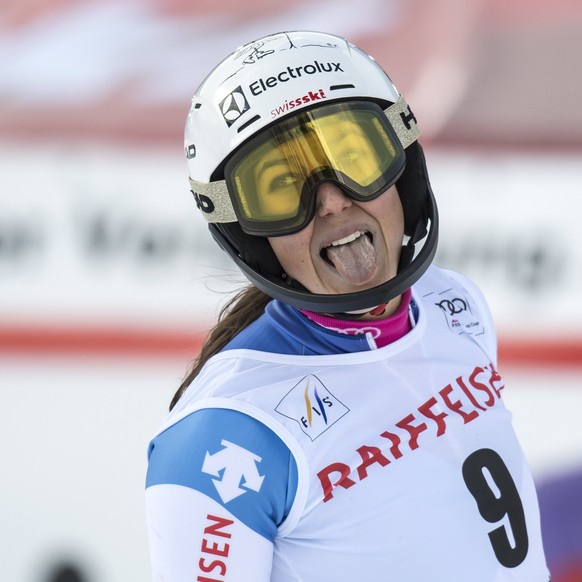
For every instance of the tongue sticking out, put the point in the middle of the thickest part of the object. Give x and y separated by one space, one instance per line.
356 261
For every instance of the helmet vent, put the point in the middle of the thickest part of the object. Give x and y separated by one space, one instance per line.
340 87
245 125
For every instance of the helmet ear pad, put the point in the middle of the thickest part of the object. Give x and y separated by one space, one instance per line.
255 251
414 189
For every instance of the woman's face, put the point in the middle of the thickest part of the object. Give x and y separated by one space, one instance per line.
349 246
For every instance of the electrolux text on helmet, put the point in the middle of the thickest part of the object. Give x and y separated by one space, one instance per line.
257 87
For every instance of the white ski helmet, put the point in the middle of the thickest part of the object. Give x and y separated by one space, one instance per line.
257 98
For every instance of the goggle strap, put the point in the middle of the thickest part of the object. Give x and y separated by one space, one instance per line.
403 121
213 198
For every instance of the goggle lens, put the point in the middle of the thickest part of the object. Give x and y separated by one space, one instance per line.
272 178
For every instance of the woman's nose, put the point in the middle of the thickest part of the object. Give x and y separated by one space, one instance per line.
331 199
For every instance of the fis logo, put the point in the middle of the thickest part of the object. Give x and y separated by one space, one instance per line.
234 105
310 404
317 407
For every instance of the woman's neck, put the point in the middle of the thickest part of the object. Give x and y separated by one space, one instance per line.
386 323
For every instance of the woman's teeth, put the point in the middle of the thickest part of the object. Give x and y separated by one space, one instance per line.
347 239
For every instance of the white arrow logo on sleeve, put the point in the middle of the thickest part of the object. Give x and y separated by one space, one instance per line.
240 471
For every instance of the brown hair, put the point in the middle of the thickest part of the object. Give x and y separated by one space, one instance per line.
244 308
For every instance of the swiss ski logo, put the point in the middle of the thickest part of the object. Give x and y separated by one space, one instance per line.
235 471
312 406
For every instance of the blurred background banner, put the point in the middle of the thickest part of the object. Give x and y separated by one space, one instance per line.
109 279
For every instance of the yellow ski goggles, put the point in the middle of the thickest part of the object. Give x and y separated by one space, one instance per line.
272 178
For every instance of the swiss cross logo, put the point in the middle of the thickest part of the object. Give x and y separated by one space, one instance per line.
234 470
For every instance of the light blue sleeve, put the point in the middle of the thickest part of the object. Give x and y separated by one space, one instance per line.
232 458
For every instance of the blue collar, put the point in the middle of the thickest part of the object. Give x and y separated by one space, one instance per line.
283 329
